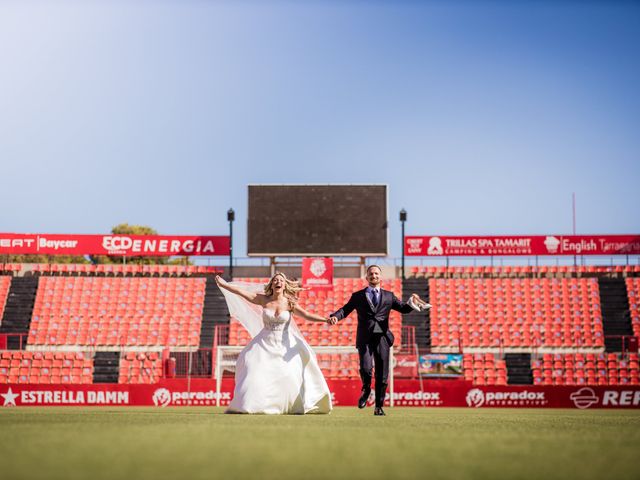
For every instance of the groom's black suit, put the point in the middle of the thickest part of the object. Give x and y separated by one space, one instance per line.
373 338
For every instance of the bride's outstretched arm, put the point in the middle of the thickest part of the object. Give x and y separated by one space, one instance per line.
249 296
309 316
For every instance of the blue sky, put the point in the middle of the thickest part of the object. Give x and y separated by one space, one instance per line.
482 117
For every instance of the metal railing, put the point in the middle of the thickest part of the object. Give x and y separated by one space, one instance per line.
13 341
406 345
198 364
629 343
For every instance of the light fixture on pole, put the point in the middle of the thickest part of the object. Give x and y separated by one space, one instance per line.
403 218
231 216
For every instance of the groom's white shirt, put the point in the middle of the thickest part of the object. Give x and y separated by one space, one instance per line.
369 294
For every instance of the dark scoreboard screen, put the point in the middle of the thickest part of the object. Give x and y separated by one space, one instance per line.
331 220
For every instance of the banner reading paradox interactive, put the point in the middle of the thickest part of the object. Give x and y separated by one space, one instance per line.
112 244
409 393
317 273
443 246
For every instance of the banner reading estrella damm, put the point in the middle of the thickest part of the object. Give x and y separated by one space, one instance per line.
444 246
112 244
202 392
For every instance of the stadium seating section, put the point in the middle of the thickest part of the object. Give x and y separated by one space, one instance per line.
515 271
10 268
117 312
523 271
5 283
586 369
633 290
484 369
323 303
552 312
140 367
45 367
342 365
515 313
123 269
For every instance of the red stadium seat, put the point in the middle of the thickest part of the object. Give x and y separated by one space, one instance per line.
561 317
106 301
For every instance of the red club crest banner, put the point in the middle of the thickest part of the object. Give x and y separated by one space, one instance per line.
317 273
405 366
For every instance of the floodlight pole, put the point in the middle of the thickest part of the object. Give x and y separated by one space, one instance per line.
403 218
231 216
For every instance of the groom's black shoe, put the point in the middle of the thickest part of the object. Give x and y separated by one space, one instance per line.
379 412
362 401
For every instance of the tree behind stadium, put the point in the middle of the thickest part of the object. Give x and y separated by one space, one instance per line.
126 229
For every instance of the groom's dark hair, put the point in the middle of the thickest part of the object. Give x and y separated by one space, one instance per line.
374 265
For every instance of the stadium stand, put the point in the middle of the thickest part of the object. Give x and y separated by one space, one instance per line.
586 369
552 317
322 303
117 312
121 270
45 367
5 283
519 271
515 314
484 369
10 268
633 291
140 367
342 365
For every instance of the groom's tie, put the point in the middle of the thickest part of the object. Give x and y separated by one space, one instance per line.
374 297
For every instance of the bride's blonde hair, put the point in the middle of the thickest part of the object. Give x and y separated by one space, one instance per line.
292 289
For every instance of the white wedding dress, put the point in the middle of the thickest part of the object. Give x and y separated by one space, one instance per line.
277 372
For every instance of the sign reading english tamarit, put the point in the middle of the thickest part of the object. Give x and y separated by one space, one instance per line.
112 244
444 246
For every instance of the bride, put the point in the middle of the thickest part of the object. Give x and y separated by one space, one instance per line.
277 372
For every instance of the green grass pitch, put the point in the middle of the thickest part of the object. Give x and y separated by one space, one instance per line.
202 443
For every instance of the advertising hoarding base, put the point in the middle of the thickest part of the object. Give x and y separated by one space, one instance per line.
407 393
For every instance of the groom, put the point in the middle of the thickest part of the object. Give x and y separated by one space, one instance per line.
374 338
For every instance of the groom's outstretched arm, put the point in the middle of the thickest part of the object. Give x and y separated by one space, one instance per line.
401 306
344 311
414 303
